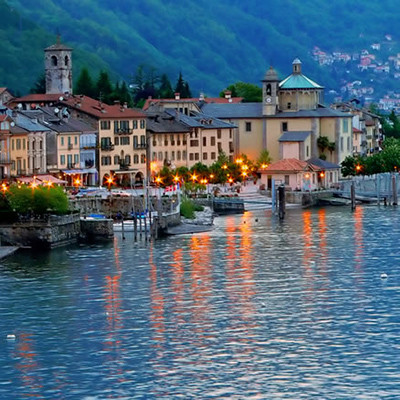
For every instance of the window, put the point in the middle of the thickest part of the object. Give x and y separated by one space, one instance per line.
204 156
18 144
286 179
124 140
194 143
142 124
62 160
212 140
104 125
204 141
165 141
171 139
62 141
23 144
135 142
142 158
307 151
13 165
248 127
341 144
54 61
124 126
219 147
230 134
127 159
178 155
154 156
116 140
191 156
142 140
116 126
184 155
284 126
69 141
76 158
69 159
106 160
345 125
219 133
166 155
213 156
289 105
196 156
66 60
135 125
76 140
173 155
116 160
160 156
348 144
136 159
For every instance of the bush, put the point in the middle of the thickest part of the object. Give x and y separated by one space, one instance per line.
41 200
188 208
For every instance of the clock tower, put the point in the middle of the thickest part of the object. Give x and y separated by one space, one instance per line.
270 92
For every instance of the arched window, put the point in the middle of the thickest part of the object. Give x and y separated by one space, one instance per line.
66 61
268 90
116 160
54 61
143 159
135 159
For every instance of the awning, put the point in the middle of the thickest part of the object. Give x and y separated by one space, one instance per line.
127 171
79 171
41 180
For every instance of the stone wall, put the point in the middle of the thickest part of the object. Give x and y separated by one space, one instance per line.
53 232
96 229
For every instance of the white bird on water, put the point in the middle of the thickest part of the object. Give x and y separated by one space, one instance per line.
11 337
384 276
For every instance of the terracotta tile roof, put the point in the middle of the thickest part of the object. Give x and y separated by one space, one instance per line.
83 103
208 100
290 165
2 89
3 118
356 130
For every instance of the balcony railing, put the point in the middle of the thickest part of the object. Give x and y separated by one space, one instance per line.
123 166
107 147
5 160
123 131
88 147
139 145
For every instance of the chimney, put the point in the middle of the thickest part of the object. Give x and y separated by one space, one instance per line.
125 104
177 96
228 94
116 102
201 97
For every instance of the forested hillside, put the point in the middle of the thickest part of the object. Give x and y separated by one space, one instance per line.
213 44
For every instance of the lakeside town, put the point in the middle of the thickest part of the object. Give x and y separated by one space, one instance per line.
60 136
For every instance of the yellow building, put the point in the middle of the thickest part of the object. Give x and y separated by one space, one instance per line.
290 105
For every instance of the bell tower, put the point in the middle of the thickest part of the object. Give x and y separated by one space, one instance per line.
58 68
270 92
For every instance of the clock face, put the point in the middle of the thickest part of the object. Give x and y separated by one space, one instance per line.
268 99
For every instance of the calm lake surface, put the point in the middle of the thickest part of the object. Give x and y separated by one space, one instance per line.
256 309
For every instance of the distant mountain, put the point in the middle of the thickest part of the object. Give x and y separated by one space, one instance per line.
214 44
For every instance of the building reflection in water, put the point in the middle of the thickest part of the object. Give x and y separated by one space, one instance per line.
358 215
28 366
113 345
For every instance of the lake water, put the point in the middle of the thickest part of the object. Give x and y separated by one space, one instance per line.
256 309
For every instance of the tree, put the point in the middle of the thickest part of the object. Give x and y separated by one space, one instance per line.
165 90
249 92
40 85
264 158
84 84
322 143
182 87
104 87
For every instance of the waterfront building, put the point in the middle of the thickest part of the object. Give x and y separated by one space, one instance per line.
5 95
185 138
293 104
5 159
367 128
301 175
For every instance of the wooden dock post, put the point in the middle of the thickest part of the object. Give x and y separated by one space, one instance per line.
145 227
394 189
353 196
122 226
281 201
134 227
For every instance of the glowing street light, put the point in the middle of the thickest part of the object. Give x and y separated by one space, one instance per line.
176 178
194 177
4 187
158 180
264 166
238 161
224 166
110 182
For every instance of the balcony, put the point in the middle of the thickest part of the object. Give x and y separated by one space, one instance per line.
89 147
107 147
124 166
70 146
139 145
123 131
5 160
